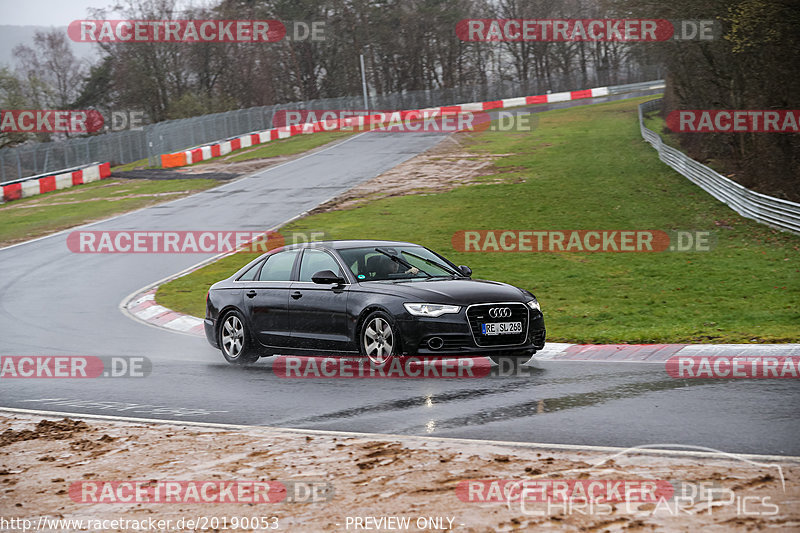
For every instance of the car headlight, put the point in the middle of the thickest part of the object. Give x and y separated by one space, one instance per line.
432 310
534 304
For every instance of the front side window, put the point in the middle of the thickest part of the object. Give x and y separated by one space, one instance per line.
314 261
278 267
397 262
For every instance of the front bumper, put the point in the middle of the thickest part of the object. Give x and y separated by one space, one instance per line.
457 337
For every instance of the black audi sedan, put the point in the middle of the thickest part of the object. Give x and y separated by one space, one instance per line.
377 299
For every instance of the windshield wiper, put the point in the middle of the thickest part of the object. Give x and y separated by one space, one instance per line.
400 260
431 262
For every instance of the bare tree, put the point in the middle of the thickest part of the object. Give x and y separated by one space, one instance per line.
52 71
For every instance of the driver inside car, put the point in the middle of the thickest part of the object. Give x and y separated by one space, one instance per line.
381 267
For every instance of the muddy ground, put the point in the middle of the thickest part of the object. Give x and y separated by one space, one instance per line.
41 459
441 168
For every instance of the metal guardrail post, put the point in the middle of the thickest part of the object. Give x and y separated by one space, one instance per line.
775 212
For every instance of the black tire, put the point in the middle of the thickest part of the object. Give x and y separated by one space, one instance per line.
378 339
235 342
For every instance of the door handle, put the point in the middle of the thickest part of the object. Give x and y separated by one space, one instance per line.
297 294
250 293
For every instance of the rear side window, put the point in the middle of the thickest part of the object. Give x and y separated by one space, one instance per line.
278 267
250 275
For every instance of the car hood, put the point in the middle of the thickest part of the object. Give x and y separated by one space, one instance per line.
453 291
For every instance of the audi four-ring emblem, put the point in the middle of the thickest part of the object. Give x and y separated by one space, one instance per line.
499 312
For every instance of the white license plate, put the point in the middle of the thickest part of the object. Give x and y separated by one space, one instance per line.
501 328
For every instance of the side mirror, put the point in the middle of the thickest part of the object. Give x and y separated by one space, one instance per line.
464 269
327 277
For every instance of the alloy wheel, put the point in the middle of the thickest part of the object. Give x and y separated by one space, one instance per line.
378 340
232 336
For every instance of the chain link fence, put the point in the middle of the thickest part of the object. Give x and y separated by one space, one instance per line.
153 140
40 158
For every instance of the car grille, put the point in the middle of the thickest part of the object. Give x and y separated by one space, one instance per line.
479 314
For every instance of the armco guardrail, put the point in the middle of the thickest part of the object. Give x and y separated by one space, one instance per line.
62 179
781 214
223 147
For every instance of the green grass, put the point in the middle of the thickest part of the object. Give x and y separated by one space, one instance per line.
134 165
655 122
39 215
181 294
588 168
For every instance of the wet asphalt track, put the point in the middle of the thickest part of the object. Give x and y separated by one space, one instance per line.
54 302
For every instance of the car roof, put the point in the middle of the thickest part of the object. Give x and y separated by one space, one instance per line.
344 244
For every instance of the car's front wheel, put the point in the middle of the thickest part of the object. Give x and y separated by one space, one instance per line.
378 339
234 340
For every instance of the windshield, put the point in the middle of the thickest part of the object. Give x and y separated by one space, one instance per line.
395 263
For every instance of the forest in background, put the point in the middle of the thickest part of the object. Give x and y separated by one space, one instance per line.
411 45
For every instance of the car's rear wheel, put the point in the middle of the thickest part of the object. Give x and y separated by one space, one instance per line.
378 339
234 340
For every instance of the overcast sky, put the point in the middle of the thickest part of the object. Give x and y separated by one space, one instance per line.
45 12
56 12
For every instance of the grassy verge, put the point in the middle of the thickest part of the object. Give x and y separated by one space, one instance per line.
588 168
46 213
655 122
134 165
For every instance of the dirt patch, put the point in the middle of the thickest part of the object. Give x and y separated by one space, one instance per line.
414 479
45 429
237 167
170 174
442 168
